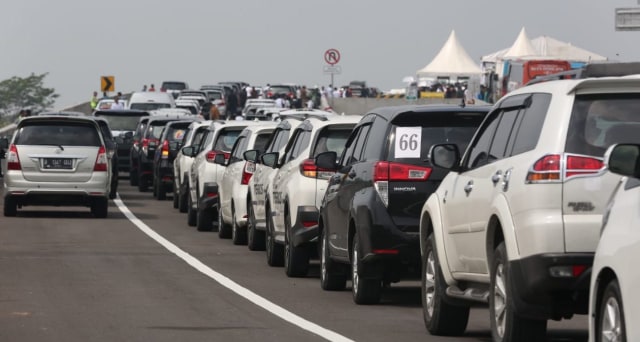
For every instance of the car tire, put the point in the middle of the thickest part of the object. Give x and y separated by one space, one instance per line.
296 259
506 324
365 291
100 207
175 197
204 220
142 183
238 234
10 207
224 230
182 200
255 238
192 214
611 324
161 193
440 317
275 251
133 177
333 276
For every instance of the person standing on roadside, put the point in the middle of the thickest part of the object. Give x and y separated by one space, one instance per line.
93 103
116 103
152 87
144 87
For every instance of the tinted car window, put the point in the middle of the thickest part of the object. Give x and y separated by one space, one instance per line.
175 133
121 122
360 144
240 147
503 133
155 130
149 106
301 144
174 85
600 120
226 139
214 95
53 133
480 149
331 139
532 119
261 141
280 140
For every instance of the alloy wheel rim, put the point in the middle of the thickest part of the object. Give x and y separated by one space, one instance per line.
500 301
354 269
430 283
611 325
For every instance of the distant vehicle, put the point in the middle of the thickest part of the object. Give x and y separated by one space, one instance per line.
358 89
106 104
122 123
173 87
252 105
519 73
150 100
194 137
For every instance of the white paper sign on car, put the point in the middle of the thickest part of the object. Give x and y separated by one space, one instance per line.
408 142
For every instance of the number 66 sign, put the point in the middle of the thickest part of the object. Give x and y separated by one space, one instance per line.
408 142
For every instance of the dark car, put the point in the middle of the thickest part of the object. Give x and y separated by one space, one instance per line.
111 146
123 124
149 140
369 217
169 146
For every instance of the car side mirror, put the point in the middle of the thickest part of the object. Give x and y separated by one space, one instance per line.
270 159
327 160
220 159
251 155
622 159
446 156
188 151
4 143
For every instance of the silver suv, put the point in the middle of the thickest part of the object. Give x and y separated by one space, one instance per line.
59 161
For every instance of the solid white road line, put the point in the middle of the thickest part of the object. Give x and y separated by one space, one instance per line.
230 284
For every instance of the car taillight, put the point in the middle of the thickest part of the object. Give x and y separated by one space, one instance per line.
13 161
385 172
309 169
165 149
556 168
145 145
211 155
101 160
269 94
247 172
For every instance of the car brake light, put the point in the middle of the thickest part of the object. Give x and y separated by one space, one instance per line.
165 149
247 172
101 160
384 172
309 169
549 169
307 224
211 155
13 161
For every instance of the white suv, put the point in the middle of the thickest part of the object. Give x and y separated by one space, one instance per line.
194 138
233 186
516 221
613 307
58 160
298 188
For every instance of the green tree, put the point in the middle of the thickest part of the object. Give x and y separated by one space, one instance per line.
17 93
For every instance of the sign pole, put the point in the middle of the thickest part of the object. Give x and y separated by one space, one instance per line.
332 57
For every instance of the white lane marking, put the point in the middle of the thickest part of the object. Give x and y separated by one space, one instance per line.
230 284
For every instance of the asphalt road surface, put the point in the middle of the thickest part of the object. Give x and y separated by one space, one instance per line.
66 276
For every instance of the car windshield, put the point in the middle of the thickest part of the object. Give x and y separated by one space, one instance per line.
147 106
56 134
173 86
121 122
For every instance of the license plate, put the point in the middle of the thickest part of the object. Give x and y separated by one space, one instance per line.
57 163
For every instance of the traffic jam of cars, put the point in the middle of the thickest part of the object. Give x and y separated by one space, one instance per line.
528 207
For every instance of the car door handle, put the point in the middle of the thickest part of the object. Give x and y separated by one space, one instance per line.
496 177
468 187
352 174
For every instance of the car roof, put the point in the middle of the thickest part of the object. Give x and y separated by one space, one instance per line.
262 126
121 112
317 122
391 112
57 118
62 113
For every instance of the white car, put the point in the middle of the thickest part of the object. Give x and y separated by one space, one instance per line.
261 181
516 221
298 188
233 187
150 100
191 105
194 138
204 174
216 96
614 301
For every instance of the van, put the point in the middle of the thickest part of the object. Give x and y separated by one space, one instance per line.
150 100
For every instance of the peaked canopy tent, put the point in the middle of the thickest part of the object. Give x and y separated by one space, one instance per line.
452 61
522 47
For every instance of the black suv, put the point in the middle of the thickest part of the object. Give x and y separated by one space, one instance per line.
148 143
169 146
122 123
369 217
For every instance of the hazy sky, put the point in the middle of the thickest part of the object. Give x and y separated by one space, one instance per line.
271 41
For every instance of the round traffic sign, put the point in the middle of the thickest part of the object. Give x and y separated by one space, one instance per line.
332 56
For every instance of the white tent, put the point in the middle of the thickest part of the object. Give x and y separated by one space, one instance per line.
522 47
452 60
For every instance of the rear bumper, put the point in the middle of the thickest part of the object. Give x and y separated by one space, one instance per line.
70 198
210 197
539 295
299 233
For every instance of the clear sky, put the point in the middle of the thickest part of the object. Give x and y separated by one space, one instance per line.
271 41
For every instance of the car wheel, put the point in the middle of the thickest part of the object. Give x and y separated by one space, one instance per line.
364 290
238 234
333 276
192 214
182 200
133 177
506 324
275 251
611 322
204 220
440 317
10 206
296 259
161 194
255 238
100 207
175 197
224 230
142 183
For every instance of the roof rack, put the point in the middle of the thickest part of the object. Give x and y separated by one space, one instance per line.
613 69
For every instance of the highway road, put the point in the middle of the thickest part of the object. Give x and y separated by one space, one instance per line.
142 274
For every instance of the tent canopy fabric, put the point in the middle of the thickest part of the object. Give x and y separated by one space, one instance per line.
521 47
452 60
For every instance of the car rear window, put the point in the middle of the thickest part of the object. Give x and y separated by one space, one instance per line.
54 133
225 140
601 120
147 106
155 129
214 95
120 122
332 139
413 134
280 89
174 85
